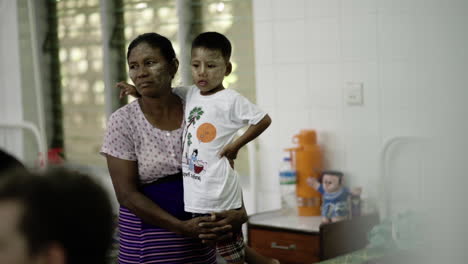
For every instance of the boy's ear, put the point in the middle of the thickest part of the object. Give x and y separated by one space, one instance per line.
228 69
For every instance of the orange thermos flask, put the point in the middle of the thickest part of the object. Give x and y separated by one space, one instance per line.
306 158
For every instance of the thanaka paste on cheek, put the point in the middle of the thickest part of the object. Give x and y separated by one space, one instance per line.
212 76
132 74
155 68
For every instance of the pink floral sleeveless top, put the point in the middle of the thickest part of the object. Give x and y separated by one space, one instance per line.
130 136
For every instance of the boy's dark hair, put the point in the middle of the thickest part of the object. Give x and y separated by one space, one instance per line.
156 41
214 41
7 161
64 207
338 174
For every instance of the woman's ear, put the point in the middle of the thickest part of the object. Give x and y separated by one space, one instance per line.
174 66
228 69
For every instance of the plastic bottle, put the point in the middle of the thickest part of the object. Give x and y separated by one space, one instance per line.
307 160
287 184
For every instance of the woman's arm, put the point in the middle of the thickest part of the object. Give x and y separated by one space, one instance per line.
124 175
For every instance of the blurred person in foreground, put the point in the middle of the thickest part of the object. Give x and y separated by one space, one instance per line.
59 217
8 161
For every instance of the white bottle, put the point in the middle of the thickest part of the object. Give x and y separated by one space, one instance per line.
287 176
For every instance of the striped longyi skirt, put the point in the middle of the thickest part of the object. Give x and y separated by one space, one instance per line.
140 242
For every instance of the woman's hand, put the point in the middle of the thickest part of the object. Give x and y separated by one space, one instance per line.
192 228
209 234
219 223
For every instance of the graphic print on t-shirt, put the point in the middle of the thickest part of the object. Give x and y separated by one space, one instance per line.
195 114
194 164
205 133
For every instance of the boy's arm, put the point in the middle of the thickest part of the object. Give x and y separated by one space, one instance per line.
230 151
127 89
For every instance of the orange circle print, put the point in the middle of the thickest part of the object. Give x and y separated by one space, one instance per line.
206 132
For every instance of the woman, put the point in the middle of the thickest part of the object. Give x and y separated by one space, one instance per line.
143 148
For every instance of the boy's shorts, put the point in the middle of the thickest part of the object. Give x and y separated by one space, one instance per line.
232 249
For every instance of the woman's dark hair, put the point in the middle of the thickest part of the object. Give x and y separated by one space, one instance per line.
156 41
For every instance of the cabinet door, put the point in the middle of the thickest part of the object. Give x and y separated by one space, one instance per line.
288 248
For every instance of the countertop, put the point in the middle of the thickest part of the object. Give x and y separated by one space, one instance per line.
286 219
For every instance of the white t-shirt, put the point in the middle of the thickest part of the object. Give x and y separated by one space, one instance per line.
211 122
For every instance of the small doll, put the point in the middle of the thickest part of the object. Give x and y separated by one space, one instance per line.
335 205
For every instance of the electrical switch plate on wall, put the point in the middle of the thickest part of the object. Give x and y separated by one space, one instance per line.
354 93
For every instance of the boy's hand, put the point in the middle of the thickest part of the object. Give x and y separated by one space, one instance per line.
127 89
230 152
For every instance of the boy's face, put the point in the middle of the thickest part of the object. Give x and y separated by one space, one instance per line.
208 70
331 183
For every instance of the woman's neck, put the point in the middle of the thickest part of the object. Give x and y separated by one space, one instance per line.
164 112
159 103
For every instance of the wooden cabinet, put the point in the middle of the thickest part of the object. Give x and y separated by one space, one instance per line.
286 246
296 239
285 236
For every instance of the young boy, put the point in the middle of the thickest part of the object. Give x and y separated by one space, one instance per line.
213 115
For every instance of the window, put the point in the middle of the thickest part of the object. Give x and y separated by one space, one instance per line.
151 16
83 101
80 42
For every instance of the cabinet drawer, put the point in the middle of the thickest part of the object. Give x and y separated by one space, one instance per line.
287 247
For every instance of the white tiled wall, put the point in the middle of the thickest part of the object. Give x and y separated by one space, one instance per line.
410 55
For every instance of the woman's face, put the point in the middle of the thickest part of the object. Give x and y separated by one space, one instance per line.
149 70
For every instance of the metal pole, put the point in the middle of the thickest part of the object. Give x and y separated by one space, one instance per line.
113 52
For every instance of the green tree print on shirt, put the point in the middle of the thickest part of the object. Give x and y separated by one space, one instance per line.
194 115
